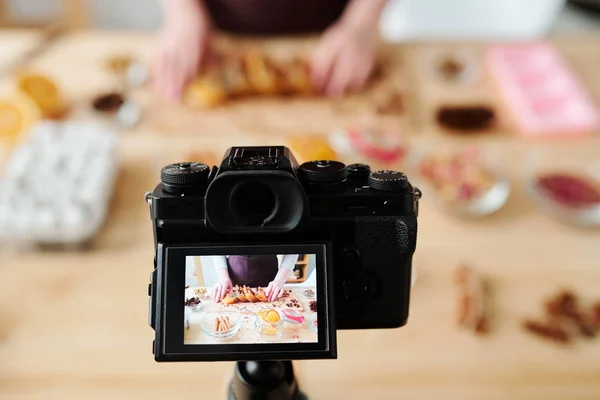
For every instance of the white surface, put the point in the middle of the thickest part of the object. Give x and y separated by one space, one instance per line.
469 19
401 20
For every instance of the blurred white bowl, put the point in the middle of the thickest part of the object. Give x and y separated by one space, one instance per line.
484 204
541 162
469 19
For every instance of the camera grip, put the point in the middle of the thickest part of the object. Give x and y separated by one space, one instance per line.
378 290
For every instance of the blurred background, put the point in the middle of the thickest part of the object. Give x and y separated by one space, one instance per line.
402 19
491 107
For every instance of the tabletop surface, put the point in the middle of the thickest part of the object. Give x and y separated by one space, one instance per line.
250 331
74 325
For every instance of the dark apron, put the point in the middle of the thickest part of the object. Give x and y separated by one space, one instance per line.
274 17
252 271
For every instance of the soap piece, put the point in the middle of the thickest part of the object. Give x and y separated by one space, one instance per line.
466 118
539 90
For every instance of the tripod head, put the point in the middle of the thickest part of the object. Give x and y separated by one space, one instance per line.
264 380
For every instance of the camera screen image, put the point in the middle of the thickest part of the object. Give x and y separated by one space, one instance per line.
250 299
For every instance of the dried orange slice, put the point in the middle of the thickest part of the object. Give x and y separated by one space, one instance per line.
270 315
311 147
43 91
205 92
16 115
119 64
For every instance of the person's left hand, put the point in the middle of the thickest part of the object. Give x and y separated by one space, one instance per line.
275 289
343 59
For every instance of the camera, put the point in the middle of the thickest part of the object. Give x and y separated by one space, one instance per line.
260 258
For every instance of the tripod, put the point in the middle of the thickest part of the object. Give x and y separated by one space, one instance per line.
264 380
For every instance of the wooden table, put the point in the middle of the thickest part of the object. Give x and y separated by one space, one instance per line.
250 332
74 325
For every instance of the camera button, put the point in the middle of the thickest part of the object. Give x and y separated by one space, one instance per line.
351 254
360 288
149 289
150 313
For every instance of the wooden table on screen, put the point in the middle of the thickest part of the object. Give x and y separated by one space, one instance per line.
250 332
74 325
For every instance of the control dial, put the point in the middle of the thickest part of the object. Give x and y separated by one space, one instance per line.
323 171
388 181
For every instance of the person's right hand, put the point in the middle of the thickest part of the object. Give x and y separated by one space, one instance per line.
221 289
184 45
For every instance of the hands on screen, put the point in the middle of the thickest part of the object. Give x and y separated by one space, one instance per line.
275 289
276 286
223 286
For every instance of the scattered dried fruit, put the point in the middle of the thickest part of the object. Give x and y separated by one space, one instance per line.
596 313
547 331
565 319
472 300
293 303
108 103
119 64
569 190
313 306
192 301
451 68
565 306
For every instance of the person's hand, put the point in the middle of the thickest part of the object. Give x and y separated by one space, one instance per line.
222 287
343 59
275 289
184 46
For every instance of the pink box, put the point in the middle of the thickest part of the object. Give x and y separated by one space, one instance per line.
543 96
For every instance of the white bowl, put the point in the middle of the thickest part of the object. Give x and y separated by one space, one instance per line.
208 324
409 20
487 203
540 162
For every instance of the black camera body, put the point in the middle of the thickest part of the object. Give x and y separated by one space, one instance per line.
260 195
